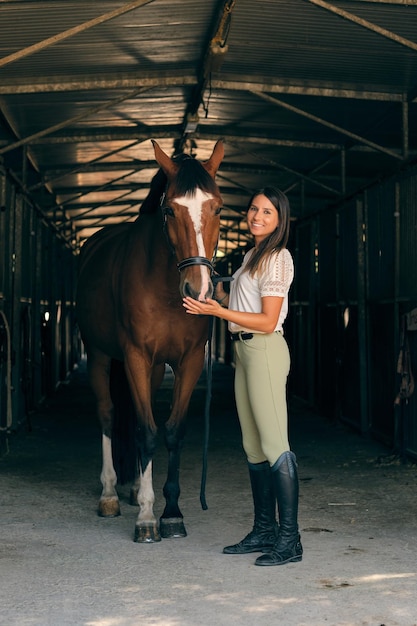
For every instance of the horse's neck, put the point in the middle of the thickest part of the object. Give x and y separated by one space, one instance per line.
153 199
153 239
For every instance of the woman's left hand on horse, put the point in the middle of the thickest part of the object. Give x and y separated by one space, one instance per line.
195 307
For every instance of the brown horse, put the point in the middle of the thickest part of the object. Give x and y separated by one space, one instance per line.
129 308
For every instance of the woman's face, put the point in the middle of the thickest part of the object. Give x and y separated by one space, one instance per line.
262 218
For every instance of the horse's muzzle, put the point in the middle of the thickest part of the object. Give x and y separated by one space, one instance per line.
201 287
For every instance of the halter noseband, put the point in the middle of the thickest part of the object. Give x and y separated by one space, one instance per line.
195 260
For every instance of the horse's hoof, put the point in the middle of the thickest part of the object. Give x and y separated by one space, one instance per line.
146 533
109 507
133 499
172 527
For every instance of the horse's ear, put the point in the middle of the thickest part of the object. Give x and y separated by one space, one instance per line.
213 164
164 161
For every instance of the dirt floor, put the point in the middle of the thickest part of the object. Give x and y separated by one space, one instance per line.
62 565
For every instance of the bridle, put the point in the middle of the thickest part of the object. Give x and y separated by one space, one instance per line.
197 260
191 260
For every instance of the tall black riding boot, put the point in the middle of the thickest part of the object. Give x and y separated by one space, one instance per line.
264 533
287 547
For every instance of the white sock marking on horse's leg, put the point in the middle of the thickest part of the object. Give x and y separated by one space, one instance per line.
108 475
146 496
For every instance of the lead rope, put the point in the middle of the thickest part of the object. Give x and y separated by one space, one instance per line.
9 415
209 386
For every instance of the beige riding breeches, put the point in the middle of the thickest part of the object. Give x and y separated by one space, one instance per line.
262 367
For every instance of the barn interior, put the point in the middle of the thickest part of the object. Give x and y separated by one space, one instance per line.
315 97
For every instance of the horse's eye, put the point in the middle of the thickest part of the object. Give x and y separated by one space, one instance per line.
169 211
218 211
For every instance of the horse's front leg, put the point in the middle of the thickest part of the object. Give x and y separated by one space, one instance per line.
172 521
158 373
139 378
146 527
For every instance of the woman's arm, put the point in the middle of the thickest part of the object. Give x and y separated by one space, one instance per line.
264 322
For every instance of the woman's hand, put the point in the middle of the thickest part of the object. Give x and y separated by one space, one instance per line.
263 322
195 307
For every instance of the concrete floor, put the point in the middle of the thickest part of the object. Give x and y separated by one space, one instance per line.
61 565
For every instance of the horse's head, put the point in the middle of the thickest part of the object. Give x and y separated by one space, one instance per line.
191 208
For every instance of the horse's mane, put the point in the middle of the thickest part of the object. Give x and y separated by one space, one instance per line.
151 202
191 175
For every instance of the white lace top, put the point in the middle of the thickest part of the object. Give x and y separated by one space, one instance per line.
275 280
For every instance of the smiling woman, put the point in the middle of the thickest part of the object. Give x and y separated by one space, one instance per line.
258 306
262 218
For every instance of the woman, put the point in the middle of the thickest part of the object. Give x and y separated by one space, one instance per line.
257 308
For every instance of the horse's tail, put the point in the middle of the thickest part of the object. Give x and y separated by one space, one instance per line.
124 448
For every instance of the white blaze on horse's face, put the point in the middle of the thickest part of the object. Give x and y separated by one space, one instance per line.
194 204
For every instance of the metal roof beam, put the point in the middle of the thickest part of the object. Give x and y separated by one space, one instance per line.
293 172
86 82
85 192
403 2
330 125
100 221
50 41
47 179
206 133
226 191
98 134
47 131
238 168
365 23
62 172
94 207
304 90
134 80
119 201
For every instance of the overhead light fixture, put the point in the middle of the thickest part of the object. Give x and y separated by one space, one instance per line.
191 124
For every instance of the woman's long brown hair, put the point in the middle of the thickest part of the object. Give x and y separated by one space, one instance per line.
277 240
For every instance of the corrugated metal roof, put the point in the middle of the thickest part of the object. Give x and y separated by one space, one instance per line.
316 97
